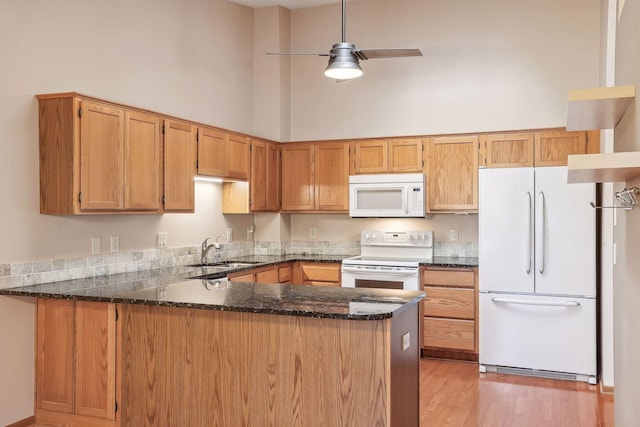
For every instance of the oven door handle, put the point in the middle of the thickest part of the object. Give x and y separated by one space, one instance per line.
403 272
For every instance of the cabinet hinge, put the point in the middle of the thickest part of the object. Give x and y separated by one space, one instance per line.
116 407
163 199
198 135
79 111
197 164
163 128
117 315
80 197
250 147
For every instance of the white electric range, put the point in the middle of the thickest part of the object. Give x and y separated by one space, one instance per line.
388 259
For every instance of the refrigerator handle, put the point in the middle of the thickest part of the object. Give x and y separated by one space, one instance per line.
541 211
534 302
528 237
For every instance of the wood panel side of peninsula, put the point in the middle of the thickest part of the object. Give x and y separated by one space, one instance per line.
191 367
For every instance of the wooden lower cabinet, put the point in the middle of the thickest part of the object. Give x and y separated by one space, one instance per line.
192 367
450 309
271 274
75 363
317 274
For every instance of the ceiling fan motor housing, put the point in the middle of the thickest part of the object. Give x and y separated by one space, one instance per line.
343 63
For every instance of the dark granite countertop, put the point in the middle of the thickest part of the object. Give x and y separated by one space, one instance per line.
180 287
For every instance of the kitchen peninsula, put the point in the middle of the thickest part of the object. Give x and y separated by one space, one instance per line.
174 349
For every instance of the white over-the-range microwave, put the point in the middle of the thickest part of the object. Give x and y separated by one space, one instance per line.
387 195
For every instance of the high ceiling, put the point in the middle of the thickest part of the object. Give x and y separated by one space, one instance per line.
289 4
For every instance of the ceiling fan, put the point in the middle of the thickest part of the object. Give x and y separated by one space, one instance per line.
344 58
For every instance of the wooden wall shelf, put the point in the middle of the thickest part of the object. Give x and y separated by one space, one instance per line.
603 167
599 108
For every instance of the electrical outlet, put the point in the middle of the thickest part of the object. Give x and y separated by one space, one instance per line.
115 244
162 240
453 234
229 234
312 233
96 245
406 341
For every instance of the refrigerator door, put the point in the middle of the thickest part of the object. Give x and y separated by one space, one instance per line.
565 256
540 333
505 218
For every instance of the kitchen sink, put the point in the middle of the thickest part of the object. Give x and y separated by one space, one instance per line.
225 264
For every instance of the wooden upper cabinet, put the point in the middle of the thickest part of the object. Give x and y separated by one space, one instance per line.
142 162
528 149
331 177
274 177
371 156
212 152
452 177
97 157
406 155
506 150
552 148
101 156
258 184
388 156
238 156
179 166
298 190
315 177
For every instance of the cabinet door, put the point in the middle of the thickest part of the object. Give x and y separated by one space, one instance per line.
95 385
406 155
273 177
241 277
238 156
142 167
453 174
507 150
297 177
322 274
55 355
267 276
331 176
179 166
552 148
212 152
101 157
371 157
258 185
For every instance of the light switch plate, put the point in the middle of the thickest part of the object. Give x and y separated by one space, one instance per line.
96 245
162 240
406 341
313 232
229 234
115 244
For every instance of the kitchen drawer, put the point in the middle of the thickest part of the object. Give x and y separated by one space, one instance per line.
449 302
321 283
321 272
449 334
456 278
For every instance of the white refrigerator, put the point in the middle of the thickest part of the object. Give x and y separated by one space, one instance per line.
537 278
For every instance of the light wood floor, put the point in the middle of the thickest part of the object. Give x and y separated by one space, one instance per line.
455 394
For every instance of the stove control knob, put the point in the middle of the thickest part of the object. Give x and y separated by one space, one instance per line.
419 237
366 236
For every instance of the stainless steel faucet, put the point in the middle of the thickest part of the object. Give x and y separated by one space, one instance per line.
207 247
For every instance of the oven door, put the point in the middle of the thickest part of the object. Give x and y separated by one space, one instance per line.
367 276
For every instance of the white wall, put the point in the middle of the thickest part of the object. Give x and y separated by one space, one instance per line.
189 59
627 272
487 66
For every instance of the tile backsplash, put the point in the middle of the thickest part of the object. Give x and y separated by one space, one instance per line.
56 270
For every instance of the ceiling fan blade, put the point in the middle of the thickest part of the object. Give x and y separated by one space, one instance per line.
297 54
386 53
